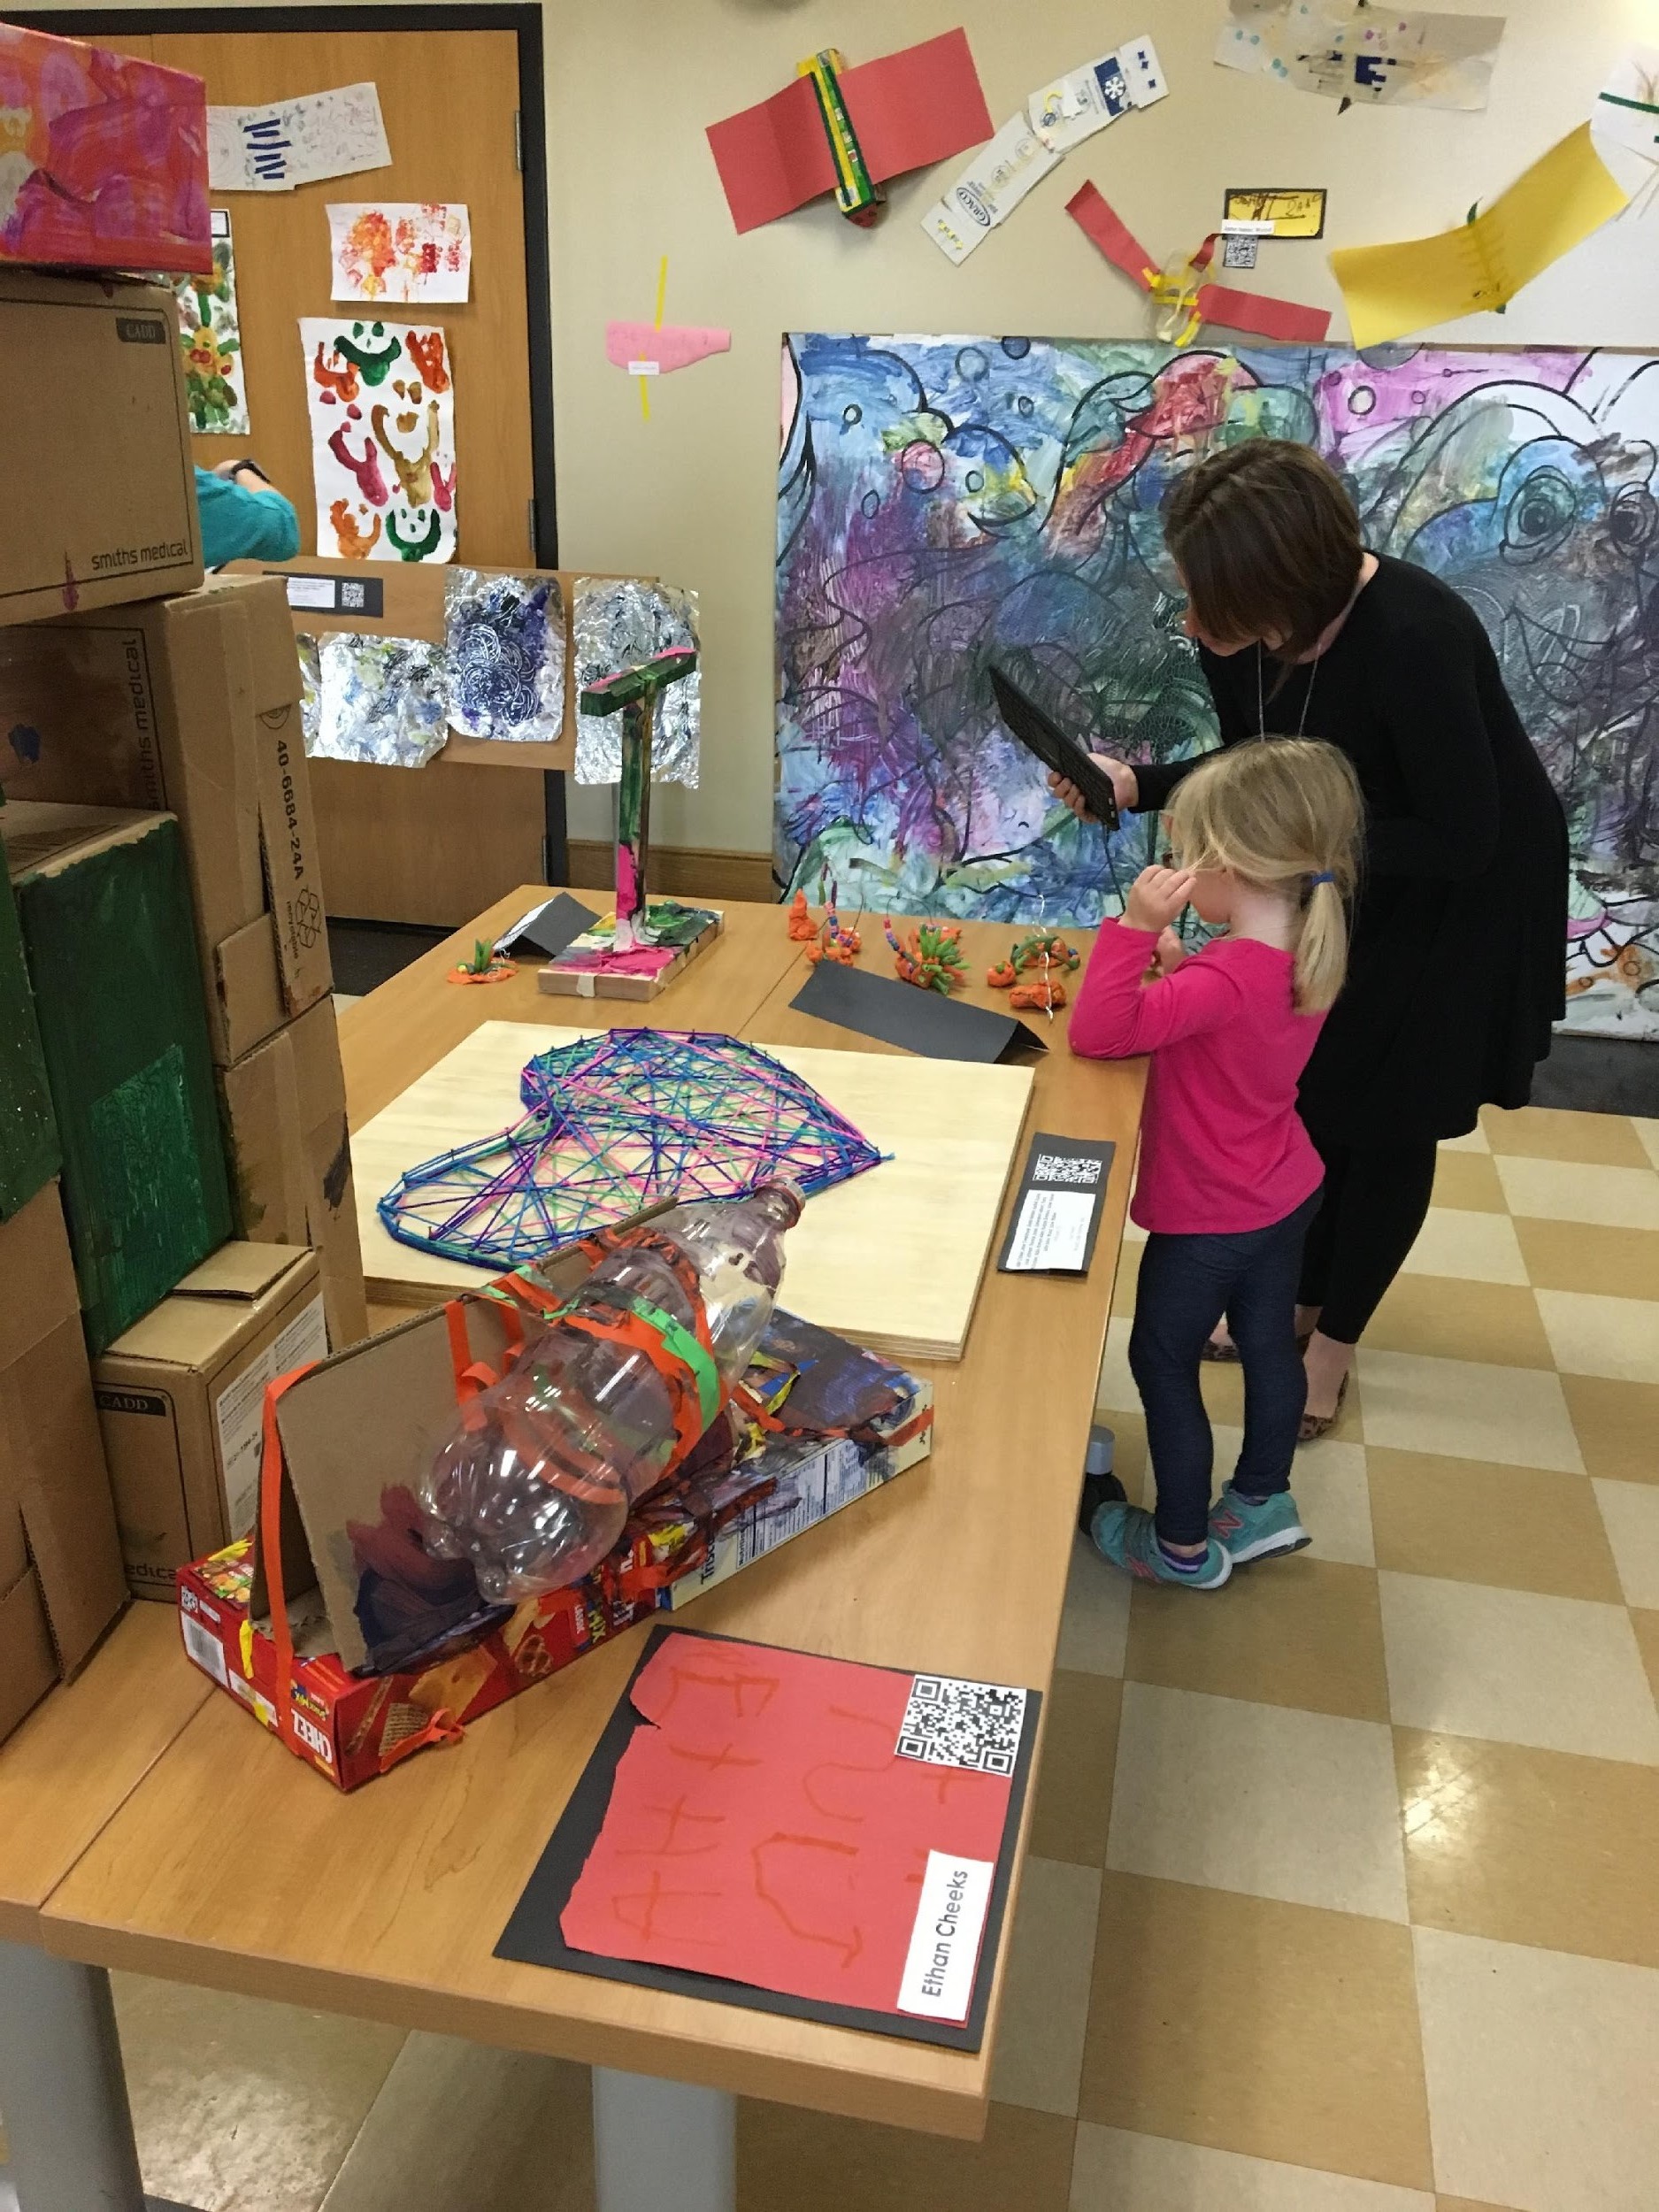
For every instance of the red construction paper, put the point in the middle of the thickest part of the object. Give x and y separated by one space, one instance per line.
1256 312
908 111
763 1831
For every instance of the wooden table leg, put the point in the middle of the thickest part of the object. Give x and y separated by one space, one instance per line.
62 2090
659 2143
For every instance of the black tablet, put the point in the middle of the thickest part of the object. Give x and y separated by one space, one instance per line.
1054 749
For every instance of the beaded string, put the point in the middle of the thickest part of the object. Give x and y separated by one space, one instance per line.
614 1123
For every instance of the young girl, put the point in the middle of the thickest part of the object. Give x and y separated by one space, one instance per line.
1266 836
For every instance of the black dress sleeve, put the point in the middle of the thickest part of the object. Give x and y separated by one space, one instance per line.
1154 781
1429 694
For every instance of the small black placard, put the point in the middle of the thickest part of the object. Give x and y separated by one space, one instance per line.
364 595
898 1013
1056 1215
550 928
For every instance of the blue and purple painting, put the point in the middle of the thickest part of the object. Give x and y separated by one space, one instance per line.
948 503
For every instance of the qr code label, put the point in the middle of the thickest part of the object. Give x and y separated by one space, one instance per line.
1054 1167
971 1724
353 598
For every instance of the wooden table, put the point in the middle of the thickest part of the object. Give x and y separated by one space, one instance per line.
234 1866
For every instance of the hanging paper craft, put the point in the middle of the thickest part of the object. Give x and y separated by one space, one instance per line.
400 254
1274 211
382 415
1031 144
623 625
1354 52
1390 291
1624 121
295 141
1182 296
616 1123
505 643
383 700
766 1827
211 339
906 111
658 349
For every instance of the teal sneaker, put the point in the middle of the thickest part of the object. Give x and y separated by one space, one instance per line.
1256 1528
1124 1534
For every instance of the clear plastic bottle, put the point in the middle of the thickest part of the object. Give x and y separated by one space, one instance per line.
536 1479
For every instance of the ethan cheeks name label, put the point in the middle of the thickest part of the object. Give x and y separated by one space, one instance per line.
938 1970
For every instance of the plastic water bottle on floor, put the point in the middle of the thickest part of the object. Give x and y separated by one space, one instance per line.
537 1478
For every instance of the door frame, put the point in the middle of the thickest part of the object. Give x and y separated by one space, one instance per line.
523 18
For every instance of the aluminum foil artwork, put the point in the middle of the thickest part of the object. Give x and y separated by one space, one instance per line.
380 700
617 625
506 655
311 687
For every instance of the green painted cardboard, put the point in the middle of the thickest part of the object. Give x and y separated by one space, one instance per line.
28 1136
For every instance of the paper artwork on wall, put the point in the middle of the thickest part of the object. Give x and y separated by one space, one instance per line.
400 253
1377 56
504 637
210 335
1624 121
946 503
1075 106
658 349
382 417
335 134
618 624
383 701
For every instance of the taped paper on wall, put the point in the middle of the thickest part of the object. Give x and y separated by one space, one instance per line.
654 348
210 335
1352 52
403 253
1390 291
319 135
1076 105
1274 211
382 417
990 187
1624 121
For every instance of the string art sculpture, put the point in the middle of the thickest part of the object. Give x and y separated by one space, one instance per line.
616 1123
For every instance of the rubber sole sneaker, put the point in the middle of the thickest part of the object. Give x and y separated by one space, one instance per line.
1257 1528
1124 1535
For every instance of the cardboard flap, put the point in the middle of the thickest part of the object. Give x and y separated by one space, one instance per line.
248 980
65 1504
29 1666
243 1271
276 667
35 1250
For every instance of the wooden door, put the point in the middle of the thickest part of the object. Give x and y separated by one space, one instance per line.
437 844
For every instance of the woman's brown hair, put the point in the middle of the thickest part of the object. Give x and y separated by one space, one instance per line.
1267 542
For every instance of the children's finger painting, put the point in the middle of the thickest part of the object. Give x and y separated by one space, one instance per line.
382 415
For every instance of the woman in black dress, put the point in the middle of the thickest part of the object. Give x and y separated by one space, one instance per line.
1460 932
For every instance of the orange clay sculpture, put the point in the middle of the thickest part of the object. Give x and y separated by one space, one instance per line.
930 957
802 928
1038 997
1046 950
1004 976
834 940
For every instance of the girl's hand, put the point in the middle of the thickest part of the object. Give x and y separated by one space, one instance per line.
1156 896
1169 953
1125 790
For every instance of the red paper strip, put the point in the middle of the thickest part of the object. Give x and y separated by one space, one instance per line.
764 1830
1256 313
908 110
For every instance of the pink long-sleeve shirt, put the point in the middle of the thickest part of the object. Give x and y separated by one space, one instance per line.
1222 1146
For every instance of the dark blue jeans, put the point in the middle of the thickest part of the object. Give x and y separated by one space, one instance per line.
1185 1286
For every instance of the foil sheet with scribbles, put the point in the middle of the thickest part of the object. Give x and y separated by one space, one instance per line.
618 624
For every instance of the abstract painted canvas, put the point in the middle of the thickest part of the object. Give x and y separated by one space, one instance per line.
946 503
382 415
403 254
210 334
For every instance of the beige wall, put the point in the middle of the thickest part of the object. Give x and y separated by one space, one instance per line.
631 84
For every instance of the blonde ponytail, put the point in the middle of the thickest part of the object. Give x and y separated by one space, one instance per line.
1284 814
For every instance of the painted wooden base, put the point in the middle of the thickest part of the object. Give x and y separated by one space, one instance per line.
559 981
893 1258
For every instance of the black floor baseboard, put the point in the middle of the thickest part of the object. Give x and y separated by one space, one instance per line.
1600 1075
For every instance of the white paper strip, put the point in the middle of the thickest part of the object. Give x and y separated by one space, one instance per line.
272 149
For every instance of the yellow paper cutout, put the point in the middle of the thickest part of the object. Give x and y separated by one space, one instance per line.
1390 291
1292 213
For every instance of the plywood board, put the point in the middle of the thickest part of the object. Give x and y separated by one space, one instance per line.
893 1258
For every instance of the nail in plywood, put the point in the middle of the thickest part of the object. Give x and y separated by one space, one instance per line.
893 1258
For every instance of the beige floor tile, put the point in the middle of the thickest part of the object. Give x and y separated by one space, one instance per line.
1647 1136
1646 1624
1302 1631
1479 1246
1558 1673
1496 1323
1553 1133
1475 1141
1200 1996
1257 1799
1463 1409
1517 1528
1468 2204
1563 1190
460 2125
241 2105
1616 1424
1631 1512
1617 1338
1095 1626
1579 1256
1540 2075
1117 2172
789 2160
1072 1806
1530 1846
1039 2050
1468 1181
1329 1482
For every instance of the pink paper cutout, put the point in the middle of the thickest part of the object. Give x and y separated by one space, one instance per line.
672 346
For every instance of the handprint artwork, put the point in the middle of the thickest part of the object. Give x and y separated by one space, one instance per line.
382 414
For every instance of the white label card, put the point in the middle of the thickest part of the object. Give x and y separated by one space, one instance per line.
944 1952
1053 1230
